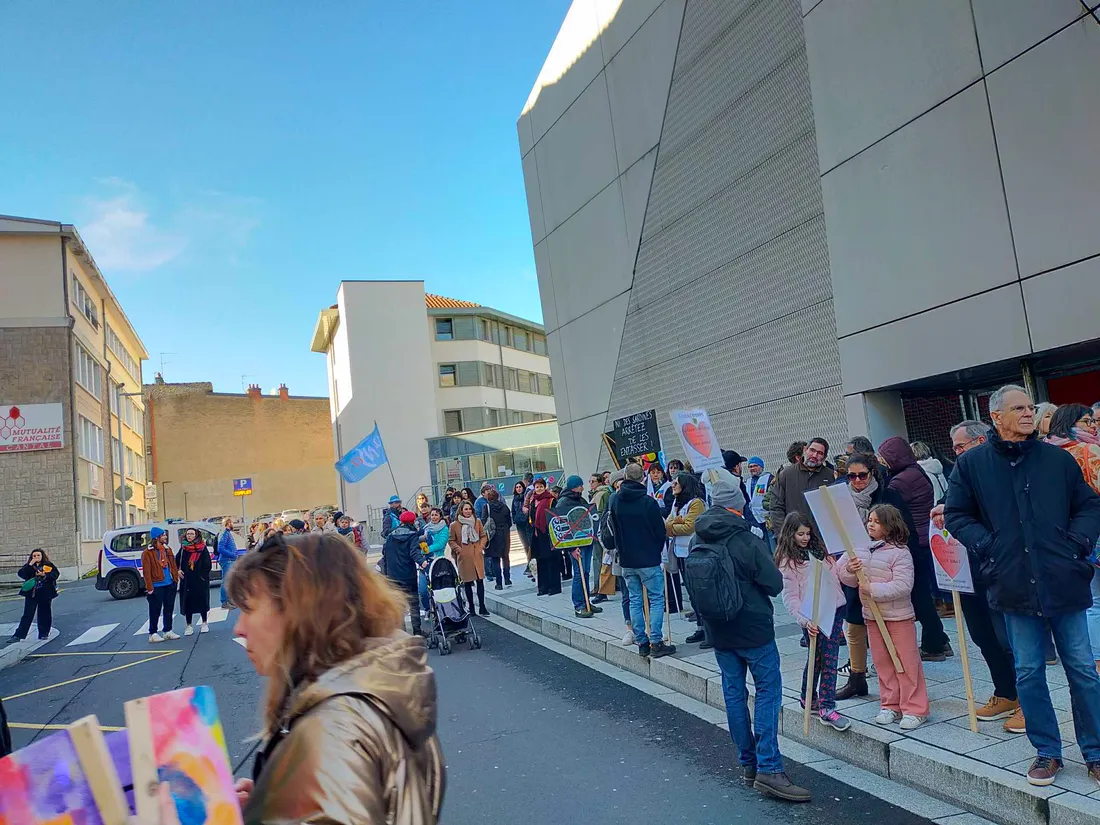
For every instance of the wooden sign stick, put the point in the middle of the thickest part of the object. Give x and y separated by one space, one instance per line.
99 770
964 655
861 577
645 610
584 584
813 654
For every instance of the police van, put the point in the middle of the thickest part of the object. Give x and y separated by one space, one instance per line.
120 556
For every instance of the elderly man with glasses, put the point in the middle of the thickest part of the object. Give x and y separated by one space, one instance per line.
1024 511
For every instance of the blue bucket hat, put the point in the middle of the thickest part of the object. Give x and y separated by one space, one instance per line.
156 533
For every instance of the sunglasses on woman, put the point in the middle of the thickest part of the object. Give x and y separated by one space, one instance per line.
858 476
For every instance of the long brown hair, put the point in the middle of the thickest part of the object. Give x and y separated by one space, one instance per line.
787 551
45 558
334 603
894 529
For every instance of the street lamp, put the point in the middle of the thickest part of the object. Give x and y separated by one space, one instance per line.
122 455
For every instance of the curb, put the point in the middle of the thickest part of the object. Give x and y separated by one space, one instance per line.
987 791
16 652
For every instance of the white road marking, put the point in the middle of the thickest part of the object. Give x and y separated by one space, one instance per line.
144 630
93 635
217 614
8 629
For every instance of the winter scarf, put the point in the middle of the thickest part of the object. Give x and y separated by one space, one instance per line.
193 551
543 502
431 528
1083 435
864 500
469 530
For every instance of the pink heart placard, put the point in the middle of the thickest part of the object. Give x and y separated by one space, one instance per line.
948 552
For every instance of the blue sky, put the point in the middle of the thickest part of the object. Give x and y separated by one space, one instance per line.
229 163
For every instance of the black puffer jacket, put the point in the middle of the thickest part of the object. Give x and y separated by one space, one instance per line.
499 547
639 528
909 480
402 556
1024 510
759 578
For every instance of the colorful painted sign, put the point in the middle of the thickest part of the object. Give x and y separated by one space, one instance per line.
951 561
177 738
26 427
574 529
698 439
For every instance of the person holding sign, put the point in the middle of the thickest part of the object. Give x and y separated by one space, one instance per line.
571 505
889 568
798 542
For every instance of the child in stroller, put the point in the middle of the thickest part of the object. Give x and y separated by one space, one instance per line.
449 616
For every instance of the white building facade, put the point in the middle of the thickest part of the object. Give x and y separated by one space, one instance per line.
423 366
826 217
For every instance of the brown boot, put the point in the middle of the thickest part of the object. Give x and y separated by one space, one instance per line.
857 686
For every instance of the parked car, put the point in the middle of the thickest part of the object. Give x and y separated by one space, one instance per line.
120 557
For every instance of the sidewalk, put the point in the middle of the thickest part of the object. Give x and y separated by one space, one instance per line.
980 772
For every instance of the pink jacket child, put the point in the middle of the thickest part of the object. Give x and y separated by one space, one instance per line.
798 581
889 569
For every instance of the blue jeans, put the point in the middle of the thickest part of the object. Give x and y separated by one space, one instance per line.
1027 635
578 589
1093 614
757 740
422 586
653 580
226 565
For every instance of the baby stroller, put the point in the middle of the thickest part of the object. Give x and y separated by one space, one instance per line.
448 614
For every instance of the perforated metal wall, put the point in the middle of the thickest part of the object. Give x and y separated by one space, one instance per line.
731 303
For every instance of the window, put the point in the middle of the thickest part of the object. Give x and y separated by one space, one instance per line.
483 329
131 542
116 461
134 468
506 336
452 421
492 375
116 346
477 466
133 515
88 373
511 382
93 519
91 441
521 339
444 329
120 515
84 302
446 375
539 344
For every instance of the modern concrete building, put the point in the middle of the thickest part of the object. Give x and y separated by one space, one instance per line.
200 441
825 217
72 438
422 366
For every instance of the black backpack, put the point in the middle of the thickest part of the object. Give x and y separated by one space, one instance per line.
711 581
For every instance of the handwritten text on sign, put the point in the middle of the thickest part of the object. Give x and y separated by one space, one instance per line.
635 435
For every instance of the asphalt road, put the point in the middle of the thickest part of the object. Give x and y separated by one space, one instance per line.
529 736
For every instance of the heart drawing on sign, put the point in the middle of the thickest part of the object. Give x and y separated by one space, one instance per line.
697 434
948 552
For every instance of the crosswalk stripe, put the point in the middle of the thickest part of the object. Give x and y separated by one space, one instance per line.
144 629
93 635
217 614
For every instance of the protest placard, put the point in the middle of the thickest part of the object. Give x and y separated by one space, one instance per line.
697 437
953 573
633 435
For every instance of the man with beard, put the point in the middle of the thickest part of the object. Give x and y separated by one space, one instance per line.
788 494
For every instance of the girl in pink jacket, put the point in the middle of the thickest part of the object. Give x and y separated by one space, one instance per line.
889 568
798 540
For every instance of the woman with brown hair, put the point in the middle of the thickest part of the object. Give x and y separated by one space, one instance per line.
350 716
39 589
467 543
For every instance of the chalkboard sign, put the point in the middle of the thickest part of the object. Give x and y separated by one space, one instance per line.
635 435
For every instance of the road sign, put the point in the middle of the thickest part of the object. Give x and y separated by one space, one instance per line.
242 486
124 493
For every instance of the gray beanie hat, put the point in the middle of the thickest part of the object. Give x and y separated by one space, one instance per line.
724 489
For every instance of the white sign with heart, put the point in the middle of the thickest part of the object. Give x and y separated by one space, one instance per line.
951 561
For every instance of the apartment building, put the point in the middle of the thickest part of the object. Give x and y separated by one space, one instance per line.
72 439
421 366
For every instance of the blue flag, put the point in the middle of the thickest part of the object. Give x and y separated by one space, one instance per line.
363 459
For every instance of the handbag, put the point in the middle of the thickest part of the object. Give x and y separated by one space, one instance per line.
27 587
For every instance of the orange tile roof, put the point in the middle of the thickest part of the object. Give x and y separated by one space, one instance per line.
439 302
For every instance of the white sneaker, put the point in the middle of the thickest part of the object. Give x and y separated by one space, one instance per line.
190 631
155 638
628 638
887 717
912 722
205 628
171 635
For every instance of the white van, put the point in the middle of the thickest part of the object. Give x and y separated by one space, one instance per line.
120 556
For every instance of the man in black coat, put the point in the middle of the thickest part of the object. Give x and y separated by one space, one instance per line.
640 538
571 500
1024 510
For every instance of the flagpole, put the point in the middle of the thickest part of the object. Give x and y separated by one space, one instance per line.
388 465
